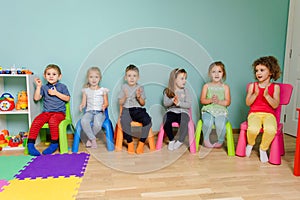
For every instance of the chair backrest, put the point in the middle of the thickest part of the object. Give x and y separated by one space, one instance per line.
191 113
106 113
285 97
68 111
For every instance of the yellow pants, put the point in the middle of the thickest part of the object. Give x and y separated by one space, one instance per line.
259 120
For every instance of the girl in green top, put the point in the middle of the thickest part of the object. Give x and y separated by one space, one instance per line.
215 97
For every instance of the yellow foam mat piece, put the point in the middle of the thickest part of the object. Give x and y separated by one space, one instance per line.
46 189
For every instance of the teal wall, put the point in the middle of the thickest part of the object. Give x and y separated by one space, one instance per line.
156 35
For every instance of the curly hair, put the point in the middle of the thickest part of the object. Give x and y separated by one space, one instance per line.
271 63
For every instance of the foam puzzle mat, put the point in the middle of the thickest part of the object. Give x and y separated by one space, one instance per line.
55 165
11 165
50 188
3 183
55 176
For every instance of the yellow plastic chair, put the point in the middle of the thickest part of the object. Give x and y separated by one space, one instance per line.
229 137
63 126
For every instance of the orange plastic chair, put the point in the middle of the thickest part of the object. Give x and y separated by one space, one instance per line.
118 135
277 146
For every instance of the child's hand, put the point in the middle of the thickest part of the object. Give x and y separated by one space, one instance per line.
266 91
138 93
215 99
122 100
38 82
52 91
104 107
175 100
81 106
256 89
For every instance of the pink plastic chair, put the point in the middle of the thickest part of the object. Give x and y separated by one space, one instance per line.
277 146
191 131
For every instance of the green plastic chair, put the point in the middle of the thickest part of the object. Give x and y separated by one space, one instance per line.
63 126
229 137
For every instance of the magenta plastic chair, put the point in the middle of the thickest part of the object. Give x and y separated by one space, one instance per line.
277 146
191 131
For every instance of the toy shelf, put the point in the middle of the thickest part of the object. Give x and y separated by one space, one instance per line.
14 112
18 120
7 148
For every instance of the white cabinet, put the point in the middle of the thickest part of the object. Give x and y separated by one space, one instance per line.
18 120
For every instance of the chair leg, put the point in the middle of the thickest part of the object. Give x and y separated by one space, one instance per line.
160 137
25 146
275 157
107 125
198 134
242 142
76 138
191 130
63 141
281 144
151 140
119 138
230 140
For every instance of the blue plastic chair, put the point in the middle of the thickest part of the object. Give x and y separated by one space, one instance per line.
107 125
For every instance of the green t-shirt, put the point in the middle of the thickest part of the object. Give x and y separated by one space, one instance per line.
215 109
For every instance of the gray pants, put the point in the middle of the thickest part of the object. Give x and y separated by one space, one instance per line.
91 123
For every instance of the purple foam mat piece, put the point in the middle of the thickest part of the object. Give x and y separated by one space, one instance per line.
55 165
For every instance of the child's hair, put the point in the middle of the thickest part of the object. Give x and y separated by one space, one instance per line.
271 63
92 69
220 64
132 67
53 66
171 85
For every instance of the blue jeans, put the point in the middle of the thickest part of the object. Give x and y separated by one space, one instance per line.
97 118
219 121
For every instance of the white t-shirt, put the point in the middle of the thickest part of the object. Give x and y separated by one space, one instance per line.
94 98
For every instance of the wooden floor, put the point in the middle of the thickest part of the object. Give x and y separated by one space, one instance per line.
181 175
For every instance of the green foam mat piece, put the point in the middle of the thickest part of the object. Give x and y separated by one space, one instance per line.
11 165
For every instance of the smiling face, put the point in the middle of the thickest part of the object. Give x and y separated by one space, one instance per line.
262 73
52 76
132 76
180 81
216 74
94 78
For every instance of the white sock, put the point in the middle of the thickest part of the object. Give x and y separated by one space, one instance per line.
263 156
177 144
171 145
248 150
